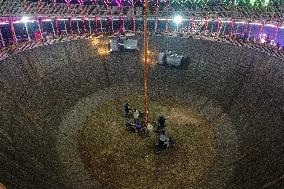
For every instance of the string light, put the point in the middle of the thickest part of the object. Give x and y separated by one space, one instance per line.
107 3
248 3
81 2
265 3
118 2
253 2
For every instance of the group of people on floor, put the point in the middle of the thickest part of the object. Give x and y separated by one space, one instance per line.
138 125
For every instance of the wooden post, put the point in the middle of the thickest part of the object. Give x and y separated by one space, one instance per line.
56 26
53 27
96 18
192 25
2 40
84 24
276 31
156 16
14 36
90 27
70 25
232 26
39 23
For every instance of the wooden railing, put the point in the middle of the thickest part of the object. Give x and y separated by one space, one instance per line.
21 47
18 8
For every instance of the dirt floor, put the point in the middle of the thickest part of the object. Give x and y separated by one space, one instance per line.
117 158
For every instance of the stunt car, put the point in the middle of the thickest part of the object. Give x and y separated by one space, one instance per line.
121 44
168 58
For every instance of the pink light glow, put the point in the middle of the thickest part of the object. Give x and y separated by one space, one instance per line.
118 2
75 19
46 20
271 25
68 1
255 23
241 22
106 2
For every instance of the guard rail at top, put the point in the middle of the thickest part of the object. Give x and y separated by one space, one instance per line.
21 47
19 8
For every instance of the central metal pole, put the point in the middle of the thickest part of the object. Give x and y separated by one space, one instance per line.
145 62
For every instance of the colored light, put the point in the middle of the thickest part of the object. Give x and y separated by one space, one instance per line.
46 20
25 19
270 25
255 24
103 51
177 19
118 2
81 1
265 3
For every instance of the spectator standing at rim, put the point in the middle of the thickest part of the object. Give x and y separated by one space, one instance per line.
126 108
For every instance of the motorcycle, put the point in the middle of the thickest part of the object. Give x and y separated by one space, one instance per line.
162 146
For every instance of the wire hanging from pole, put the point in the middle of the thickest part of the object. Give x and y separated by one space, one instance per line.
145 63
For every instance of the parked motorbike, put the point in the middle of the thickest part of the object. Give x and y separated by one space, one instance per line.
162 146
